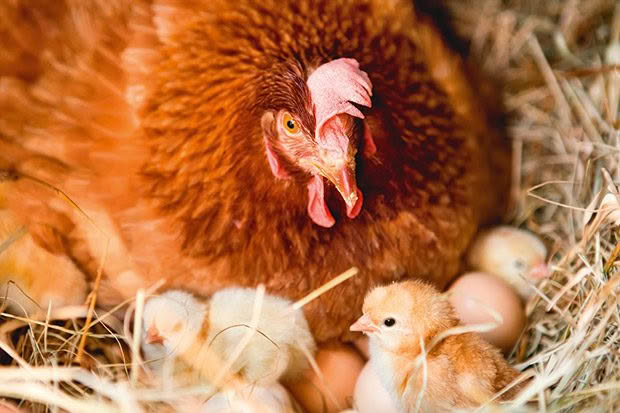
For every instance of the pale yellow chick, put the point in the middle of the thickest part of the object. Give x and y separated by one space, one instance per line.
172 322
31 277
515 255
275 350
460 371
179 325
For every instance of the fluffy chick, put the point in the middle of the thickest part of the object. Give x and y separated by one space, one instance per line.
180 325
516 255
172 323
462 371
26 269
274 352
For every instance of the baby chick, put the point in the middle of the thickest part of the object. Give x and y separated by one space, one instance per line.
26 270
516 255
178 324
459 371
172 323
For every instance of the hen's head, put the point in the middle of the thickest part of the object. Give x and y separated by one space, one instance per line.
398 315
255 118
312 129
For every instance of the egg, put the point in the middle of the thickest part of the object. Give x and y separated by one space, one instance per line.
472 293
269 399
340 366
370 396
515 255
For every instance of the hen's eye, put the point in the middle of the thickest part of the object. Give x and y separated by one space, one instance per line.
290 125
389 322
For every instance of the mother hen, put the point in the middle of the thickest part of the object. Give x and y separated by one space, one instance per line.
242 142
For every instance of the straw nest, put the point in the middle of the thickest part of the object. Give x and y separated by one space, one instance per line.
559 64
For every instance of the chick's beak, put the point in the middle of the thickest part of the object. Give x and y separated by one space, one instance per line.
364 324
540 271
152 335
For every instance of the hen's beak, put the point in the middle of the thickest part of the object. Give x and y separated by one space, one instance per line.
343 178
152 335
364 324
540 271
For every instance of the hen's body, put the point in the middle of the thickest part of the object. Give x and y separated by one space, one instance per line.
148 115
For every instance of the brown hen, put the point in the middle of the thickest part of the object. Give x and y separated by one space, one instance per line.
222 143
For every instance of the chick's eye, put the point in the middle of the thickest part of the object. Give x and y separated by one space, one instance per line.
290 124
519 264
389 322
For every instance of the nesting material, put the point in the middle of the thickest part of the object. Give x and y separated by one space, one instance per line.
559 63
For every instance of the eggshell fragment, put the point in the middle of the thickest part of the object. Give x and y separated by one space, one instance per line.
340 366
473 293
370 395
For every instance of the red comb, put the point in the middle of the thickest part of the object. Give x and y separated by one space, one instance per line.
334 87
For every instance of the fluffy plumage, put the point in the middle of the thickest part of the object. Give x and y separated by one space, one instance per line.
151 116
31 277
178 326
462 371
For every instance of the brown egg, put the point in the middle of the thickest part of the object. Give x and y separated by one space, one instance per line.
474 291
340 366
370 395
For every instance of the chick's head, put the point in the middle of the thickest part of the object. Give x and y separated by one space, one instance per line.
515 255
173 320
400 314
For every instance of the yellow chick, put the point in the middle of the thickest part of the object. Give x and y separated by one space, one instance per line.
402 321
172 322
31 277
178 324
515 255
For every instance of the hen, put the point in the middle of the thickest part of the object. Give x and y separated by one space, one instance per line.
219 143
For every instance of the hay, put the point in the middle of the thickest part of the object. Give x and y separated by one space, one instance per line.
559 65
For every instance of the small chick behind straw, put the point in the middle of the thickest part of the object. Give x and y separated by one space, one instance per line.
459 371
275 350
33 277
515 255
172 323
177 326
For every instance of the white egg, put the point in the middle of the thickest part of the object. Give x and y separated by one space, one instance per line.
256 399
370 396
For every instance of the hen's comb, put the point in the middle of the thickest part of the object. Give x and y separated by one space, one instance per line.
333 86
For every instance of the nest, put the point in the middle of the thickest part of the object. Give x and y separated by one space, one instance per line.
559 65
